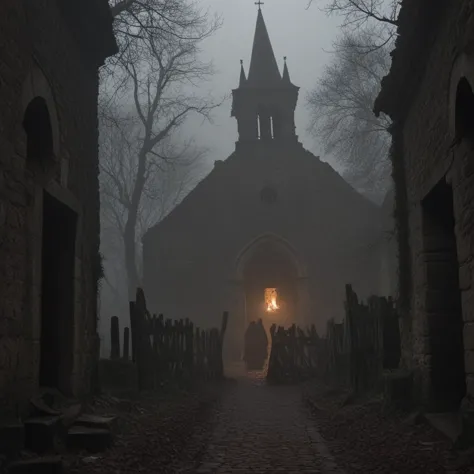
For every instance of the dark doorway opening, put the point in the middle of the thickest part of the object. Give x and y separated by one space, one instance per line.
270 268
39 134
57 295
443 299
464 111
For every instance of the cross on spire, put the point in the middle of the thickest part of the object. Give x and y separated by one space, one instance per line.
259 3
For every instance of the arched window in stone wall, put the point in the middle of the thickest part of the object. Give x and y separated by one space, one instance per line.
40 123
464 110
461 99
39 134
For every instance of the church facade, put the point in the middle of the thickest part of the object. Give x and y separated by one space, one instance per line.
272 216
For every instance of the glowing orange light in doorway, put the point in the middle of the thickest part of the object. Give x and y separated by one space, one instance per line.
271 299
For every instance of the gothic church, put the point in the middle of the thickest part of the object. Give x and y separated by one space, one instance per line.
272 219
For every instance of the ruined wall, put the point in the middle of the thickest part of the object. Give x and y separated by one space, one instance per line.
191 258
387 249
38 56
429 154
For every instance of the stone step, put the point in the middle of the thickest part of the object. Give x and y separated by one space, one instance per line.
41 408
12 438
94 440
40 433
70 414
98 422
46 465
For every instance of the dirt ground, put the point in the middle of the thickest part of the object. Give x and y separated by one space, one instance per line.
243 425
152 432
365 437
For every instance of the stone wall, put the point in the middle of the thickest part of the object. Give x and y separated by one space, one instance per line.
430 155
40 58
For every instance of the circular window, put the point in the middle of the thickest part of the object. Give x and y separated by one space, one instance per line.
268 195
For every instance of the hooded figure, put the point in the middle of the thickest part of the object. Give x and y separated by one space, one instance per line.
256 343
262 341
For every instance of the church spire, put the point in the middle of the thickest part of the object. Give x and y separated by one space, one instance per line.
264 103
263 71
243 79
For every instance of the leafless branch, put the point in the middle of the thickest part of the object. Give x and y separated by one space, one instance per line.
341 110
150 95
373 15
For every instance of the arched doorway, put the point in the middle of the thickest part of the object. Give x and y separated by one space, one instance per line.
270 286
58 241
269 265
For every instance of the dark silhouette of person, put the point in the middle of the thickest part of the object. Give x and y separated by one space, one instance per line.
262 341
256 343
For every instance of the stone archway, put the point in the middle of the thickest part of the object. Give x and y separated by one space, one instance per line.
278 243
37 86
269 261
53 225
460 89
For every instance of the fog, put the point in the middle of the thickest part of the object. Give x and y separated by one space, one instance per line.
237 236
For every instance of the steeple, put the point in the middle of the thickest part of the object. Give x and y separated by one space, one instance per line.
263 70
265 101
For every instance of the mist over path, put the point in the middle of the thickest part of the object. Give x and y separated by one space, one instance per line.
262 428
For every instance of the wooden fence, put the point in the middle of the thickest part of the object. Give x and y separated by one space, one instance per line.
164 350
294 354
353 353
364 344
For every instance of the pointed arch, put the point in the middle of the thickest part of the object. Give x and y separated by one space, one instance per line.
36 90
277 242
461 80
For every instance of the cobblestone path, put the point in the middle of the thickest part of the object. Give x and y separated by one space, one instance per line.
263 429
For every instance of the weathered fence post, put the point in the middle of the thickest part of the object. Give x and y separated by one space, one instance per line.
143 349
220 345
114 338
133 331
126 343
353 349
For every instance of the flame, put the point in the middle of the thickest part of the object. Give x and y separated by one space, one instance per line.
271 299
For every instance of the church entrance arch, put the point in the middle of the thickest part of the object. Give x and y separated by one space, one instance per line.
269 273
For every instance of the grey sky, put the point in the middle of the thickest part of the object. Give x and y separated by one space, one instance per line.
303 35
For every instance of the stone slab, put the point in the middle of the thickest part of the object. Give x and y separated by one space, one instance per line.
12 438
95 421
40 433
89 439
46 465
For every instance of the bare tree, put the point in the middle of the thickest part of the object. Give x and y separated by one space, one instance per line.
358 14
137 23
168 178
157 18
341 109
156 75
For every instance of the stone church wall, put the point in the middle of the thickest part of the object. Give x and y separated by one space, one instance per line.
40 58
